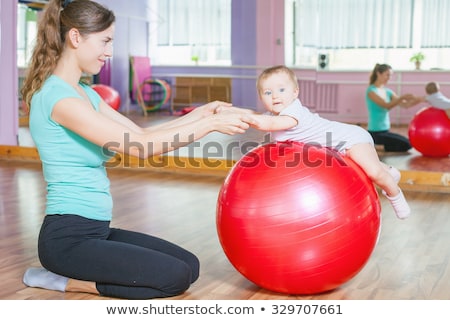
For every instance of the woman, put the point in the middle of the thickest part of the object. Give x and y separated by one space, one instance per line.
71 126
380 100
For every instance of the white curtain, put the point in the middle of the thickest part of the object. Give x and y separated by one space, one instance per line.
202 24
341 24
435 24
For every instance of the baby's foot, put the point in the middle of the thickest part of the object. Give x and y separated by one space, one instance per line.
399 204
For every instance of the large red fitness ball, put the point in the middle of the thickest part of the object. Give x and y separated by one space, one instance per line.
429 132
109 94
297 219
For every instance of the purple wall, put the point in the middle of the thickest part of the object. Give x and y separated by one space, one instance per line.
9 105
270 33
243 52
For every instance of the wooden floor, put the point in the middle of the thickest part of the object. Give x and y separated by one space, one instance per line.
411 261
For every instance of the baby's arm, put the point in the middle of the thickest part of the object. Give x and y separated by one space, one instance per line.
264 122
272 123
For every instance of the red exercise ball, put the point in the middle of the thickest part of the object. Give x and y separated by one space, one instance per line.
109 94
296 218
429 132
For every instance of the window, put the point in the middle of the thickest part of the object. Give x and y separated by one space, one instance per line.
190 32
356 34
26 33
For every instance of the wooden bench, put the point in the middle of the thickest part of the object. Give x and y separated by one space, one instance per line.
192 91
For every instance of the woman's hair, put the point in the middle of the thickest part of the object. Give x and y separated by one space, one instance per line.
273 70
58 18
379 68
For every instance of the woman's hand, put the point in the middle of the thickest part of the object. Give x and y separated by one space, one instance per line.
224 109
231 123
409 100
211 107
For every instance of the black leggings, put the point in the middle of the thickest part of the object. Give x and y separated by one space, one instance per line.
392 142
122 263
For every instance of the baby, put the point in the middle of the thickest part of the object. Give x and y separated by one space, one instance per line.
436 98
288 120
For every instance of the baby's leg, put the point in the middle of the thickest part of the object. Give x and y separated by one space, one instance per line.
392 171
366 157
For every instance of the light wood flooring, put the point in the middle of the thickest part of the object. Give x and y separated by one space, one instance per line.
411 261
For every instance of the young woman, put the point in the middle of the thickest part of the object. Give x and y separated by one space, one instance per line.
75 132
380 100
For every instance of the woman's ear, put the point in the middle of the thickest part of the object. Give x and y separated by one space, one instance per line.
74 37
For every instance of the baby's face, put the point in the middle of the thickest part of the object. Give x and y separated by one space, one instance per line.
277 92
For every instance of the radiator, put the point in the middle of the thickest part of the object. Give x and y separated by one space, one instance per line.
319 97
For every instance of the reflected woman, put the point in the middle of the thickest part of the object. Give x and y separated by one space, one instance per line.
380 100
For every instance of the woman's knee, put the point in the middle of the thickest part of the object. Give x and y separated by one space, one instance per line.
398 146
194 264
181 279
